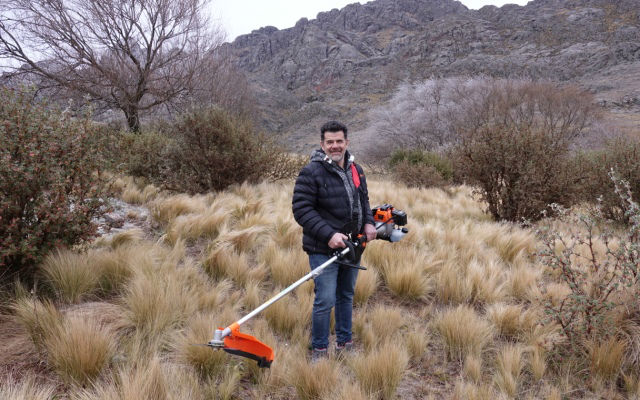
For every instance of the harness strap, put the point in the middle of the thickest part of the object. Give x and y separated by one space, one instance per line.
355 175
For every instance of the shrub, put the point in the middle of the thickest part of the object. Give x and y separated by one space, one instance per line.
144 154
622 155
213 150
514 142
597 266
49 189
440 164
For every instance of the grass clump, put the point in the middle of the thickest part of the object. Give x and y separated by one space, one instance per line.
314 381
70 275
508 369
28 388
41 319
463 331
379 371
81 349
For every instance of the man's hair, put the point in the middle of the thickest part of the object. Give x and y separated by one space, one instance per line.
332 126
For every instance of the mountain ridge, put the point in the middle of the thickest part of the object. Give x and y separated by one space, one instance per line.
347 61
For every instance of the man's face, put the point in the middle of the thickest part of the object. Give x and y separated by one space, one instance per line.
335 145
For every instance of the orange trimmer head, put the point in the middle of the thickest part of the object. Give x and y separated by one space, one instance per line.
243 345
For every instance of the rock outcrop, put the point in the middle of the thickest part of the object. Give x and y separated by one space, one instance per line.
346 61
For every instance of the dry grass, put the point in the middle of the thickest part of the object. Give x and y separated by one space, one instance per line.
458 276
80 350
286 265
27 389
127 237
191 227
470 391
366 286
416 343
40 319
289 315
463 331
511 319
188 346
473 368
164 210
70 275
606 358
315 381
379 372
508 369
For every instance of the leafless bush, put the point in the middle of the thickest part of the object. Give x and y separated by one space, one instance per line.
513 143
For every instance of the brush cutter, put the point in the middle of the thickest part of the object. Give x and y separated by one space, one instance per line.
230 339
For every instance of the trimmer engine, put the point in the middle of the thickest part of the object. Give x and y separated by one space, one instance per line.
388 222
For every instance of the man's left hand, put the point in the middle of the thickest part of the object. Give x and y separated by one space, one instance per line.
370 232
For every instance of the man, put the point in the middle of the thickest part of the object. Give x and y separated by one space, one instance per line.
330 204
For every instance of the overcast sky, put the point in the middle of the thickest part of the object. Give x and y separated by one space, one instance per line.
238 17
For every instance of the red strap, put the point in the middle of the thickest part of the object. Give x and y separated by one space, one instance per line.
355 175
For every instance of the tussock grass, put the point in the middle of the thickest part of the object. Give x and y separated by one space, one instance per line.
287 233
379 371
252 296
69 275
314 381
511 242
486 282
286 265
41 319
191 227
454 265
470 391
126 237
416 343
522 283
224 262
366 285
26 389
288 315
606 358
165 210
80 350
133 195
242 240
206 361
512 320
509 367
450 286
463 331
407 280
153 303
473 368
138 382
537 363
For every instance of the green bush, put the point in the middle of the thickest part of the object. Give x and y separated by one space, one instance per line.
144 154
212 149
623 156
418 168
50 186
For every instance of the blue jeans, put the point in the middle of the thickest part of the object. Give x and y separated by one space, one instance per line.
333 287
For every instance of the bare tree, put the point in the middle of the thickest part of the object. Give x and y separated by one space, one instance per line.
132 55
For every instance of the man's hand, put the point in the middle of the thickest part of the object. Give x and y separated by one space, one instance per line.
337 241
370 232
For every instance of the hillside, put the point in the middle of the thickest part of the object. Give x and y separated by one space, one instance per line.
345 62
456 310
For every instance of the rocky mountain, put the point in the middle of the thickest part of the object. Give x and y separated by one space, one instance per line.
345 62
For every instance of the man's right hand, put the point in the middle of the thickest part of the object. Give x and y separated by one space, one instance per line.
337 241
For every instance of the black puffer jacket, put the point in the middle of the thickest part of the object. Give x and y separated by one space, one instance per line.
323 204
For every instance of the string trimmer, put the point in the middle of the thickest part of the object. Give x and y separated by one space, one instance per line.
387 222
